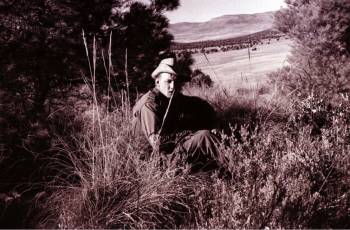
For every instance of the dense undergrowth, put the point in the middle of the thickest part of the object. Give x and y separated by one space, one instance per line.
288 164
68 160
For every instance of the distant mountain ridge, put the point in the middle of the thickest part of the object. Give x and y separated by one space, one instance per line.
226 26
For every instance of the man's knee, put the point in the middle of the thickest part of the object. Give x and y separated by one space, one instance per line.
202 140
202 150
203 132
204 136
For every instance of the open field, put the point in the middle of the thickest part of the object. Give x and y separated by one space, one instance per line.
233 68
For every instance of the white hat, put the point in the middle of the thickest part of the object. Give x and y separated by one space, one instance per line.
167 61
164 67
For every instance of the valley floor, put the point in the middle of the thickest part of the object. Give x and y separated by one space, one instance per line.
234 69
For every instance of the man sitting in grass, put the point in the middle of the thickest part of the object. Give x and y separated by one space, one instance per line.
175 124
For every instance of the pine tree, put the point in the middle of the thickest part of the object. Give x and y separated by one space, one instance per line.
43 53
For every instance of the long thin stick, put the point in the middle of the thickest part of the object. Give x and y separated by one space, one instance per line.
156 149
166 113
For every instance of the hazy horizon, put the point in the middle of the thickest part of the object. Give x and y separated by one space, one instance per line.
223 16
205 10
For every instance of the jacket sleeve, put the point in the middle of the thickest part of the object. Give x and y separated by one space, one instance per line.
150 122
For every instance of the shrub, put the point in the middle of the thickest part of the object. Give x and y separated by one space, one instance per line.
199 79
320 54
284 177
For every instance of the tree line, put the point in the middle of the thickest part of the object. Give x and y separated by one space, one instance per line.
254 38
225 48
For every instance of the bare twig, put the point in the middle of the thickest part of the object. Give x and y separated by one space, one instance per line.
166 113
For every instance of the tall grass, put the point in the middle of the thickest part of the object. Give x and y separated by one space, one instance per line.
122 190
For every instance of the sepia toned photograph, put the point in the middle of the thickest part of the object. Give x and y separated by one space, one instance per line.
174 114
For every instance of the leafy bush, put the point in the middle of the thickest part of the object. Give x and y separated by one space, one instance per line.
284 176
200 79
320 54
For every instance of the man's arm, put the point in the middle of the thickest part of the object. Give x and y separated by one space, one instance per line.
150 124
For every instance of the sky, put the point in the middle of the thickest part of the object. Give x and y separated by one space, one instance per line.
204 10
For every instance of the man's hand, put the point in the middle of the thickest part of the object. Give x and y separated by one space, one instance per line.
154 140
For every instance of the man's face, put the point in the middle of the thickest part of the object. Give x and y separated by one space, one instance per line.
165 83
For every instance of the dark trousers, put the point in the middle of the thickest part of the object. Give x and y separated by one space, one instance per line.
200 150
